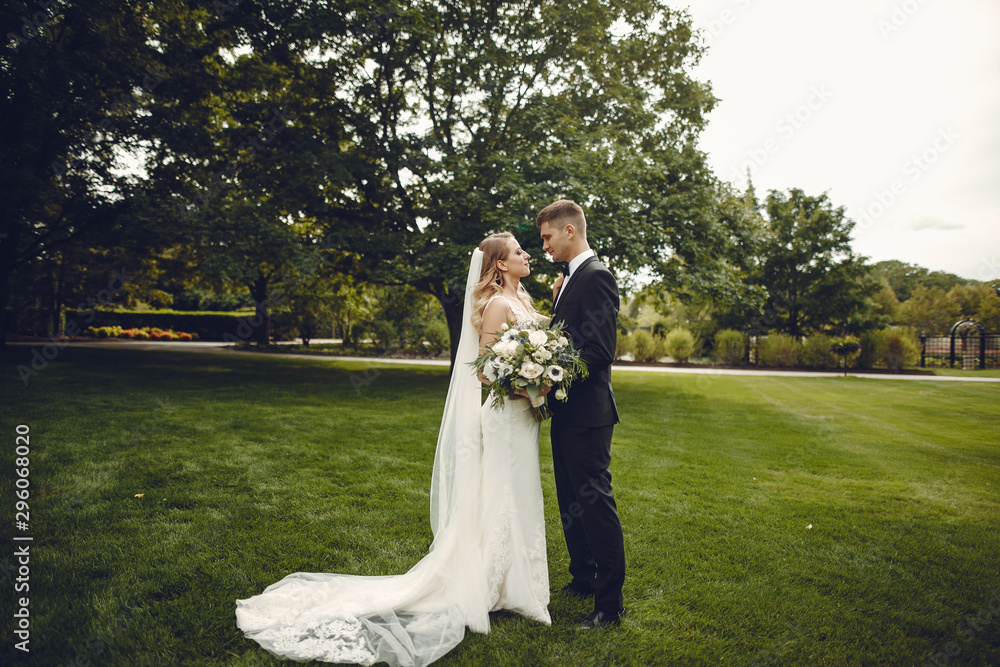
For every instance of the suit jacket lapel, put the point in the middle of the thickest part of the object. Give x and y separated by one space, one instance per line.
570 287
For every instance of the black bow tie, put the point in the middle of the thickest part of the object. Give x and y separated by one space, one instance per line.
565 269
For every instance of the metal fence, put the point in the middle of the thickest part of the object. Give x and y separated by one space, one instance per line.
971 351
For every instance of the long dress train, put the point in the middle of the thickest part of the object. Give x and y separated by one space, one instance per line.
489 554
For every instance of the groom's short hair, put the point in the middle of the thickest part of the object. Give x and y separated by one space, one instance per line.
567 211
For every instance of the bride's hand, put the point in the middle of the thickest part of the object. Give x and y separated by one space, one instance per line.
523 393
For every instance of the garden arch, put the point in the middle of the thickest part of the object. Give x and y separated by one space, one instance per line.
961 328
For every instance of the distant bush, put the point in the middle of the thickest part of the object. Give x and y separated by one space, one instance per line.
437 337
624 345
816 352
872 351
729 347
902 348
384 334
645 346
780 350
679 344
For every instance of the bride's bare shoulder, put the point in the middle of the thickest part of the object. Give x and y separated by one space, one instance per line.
496 312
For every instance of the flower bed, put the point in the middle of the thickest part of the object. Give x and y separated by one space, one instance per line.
135 333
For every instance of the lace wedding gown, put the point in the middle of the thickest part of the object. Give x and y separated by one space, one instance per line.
488 554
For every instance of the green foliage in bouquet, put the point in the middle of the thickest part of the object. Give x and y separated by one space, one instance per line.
531 358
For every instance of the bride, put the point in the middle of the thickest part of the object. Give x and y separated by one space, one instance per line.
488 551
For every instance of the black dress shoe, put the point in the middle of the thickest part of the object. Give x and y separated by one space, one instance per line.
578 589
600 619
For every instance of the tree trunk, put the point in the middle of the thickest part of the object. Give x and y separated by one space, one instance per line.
8 249
453 315
262 318
4 300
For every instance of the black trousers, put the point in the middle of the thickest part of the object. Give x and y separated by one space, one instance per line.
581 457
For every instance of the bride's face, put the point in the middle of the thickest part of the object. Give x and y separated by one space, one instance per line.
516 261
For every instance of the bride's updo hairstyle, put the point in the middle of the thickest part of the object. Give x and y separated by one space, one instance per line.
495 248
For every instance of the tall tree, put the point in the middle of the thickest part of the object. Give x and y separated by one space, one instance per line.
84 81
813 279
462 118
930 310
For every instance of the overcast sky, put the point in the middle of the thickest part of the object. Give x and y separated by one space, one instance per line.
892 108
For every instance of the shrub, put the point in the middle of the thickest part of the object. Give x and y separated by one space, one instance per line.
730 347
384 335
816 352
780 350
679 344
437 337
184 336
872 349
644 346
901 348
624 345
141 335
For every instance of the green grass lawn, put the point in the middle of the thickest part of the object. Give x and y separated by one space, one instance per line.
251 468
957 372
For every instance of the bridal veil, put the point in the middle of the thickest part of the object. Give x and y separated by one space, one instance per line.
412 618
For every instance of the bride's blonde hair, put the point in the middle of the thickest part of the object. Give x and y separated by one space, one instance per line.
495 248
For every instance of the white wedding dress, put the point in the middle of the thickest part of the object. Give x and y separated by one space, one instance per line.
488 551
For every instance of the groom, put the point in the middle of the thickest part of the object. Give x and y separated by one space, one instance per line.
587 303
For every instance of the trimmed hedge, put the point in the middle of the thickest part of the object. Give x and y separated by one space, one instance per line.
208 326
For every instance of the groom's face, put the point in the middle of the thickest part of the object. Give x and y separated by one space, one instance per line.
556 239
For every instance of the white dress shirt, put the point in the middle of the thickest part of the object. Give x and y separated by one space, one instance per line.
573 266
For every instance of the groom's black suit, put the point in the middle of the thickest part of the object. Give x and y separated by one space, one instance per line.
581 438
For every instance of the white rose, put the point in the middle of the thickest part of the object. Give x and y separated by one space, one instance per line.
562 341
542 356
560 394
506 348
554 373
538 338
530 370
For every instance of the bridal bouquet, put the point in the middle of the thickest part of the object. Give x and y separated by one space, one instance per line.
530 358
